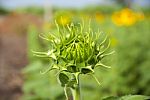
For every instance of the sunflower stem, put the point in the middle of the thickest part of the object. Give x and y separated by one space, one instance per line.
76 92
65 90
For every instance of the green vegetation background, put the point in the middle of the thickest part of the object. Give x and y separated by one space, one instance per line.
130 72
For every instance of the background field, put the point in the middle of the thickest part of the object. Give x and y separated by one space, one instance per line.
127 26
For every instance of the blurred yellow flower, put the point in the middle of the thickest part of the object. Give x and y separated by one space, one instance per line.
128 17
99 17
63 17
64 20
116 18
124 17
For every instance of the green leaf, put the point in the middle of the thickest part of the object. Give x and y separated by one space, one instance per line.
71 83
111 98
63 78
100 64
135 97
80 65
86 70
72 68
128 97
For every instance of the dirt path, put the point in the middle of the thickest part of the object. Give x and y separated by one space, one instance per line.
13 54
12 60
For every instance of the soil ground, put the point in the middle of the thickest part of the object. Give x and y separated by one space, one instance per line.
13 53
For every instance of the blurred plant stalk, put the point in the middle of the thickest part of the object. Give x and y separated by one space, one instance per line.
47 11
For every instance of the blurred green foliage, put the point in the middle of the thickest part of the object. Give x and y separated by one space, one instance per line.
3 11
31 10
130 73
128 97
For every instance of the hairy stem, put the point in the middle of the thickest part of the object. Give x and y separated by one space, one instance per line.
65 90
76 91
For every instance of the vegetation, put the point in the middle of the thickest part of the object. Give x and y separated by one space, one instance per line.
3 11
128 76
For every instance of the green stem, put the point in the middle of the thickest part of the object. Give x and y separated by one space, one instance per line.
65 90
76 91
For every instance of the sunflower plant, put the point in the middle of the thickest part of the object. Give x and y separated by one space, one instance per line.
75 50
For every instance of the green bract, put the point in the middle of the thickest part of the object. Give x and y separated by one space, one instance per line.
75 50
